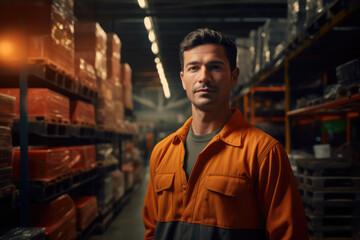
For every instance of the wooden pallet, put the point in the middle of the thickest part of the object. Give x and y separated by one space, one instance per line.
316 221
333 208
334 233
340 182
312 195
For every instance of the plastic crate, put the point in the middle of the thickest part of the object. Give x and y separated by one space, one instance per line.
86 211
82 113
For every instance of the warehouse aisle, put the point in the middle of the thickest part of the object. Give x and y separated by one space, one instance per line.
128 224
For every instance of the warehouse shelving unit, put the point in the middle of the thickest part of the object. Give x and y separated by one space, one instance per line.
329 187
38 131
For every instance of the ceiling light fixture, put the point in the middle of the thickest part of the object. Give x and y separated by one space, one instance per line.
142 3
152 36
147 23
155 48
157 60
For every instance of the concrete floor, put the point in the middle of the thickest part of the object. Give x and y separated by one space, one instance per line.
128 225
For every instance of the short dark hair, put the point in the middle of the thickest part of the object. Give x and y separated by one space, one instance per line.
203 36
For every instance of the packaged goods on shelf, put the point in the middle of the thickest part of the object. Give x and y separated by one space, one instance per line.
128 171
86 74
252 47
58 217
258 49
113 57
82 158
5 176
243 60
86 211
24 233
296 17
104 151
119 114
5 146
105 115
82 113
126 80
43 103
348 74
118 91
51 35
90 44
44 164
118 184
275 34
7 109
313 8
105 193
139 171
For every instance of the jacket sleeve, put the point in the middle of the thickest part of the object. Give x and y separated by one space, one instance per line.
150 207
279 197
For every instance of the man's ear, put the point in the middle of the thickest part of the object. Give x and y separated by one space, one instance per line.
234 76
182 81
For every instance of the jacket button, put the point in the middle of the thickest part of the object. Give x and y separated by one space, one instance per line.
183 186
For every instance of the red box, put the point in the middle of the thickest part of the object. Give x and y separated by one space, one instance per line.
7 110
43 102
113 58
58 217
90 44
82 158
90 151
86 74
86 211
83 113
44 164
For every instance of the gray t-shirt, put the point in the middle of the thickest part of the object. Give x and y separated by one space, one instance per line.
193 146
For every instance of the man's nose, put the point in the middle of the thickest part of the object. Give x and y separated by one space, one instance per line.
204 74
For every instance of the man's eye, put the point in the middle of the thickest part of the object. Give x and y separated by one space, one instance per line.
192 68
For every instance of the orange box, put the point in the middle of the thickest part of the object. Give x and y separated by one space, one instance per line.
82 112
113 58
86 74
58 217
86 211
44 164
90 44
43 102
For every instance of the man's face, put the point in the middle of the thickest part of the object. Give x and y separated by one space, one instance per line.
207 78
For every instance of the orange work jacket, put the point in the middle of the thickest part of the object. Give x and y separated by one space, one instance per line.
241 187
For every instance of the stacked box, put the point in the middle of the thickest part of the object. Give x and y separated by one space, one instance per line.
119 114
296 17
126 76
82 113
5 147
82 158
113 56
86 211
128 171
24 233
275 34
105 193
44 164
105 106
314 8
118 184
7 109
43 103
348 74
243 60
51 34
330 189
58 217
86 74
90 44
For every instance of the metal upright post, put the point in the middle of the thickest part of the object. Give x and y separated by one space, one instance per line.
24 165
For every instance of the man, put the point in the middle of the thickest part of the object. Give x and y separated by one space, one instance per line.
219 177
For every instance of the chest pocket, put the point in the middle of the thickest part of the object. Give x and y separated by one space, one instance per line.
164 185
228 199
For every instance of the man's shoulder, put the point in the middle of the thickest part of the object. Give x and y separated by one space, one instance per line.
164 143
254 134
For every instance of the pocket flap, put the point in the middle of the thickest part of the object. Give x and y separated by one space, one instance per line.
164 181
227 185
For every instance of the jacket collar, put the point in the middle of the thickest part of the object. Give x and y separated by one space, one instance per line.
232 132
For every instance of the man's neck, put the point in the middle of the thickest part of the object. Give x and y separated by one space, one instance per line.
207 122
